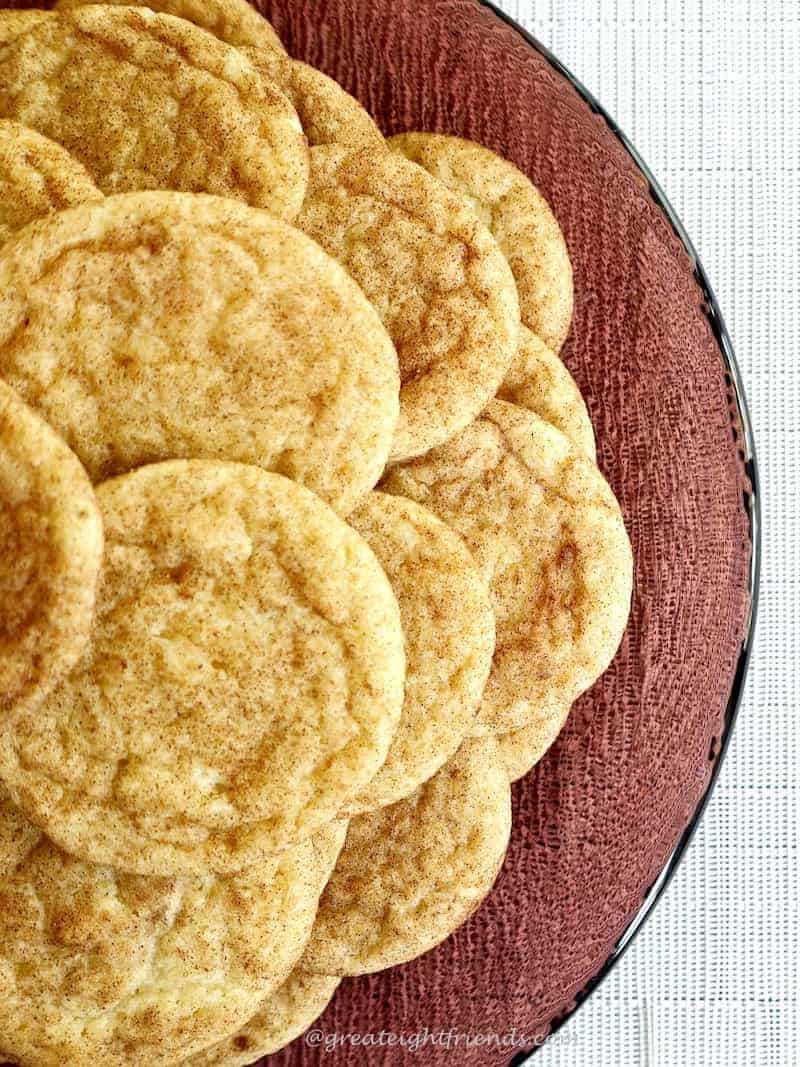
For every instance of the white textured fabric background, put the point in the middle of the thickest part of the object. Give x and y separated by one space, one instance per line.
709 92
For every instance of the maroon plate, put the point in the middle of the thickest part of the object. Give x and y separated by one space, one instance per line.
598 821
602 819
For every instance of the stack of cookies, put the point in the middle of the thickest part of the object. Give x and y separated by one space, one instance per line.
304 552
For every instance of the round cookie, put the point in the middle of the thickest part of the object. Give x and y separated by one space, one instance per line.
149 101
327 113
51 547
104 967
14 23
37 177
187 326
539 381
283 1016
243 680
410 874
448 625
519 217
548 537
234 21
433 272
521 750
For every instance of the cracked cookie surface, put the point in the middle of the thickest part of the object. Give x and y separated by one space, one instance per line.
539 381
327 113
37 177
51 545
102 967
149 101
234 21
242 683
547 535
519 218
283 1016
448 626
410 874
165 325
434 274
13 23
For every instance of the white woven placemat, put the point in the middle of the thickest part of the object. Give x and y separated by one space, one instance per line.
709 92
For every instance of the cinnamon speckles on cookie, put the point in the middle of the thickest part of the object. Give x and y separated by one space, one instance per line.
448 626
547 535
434 274
149 101
519 218
412 873
234 21
243 680
14 22
182 326
51 544
128 968
37 177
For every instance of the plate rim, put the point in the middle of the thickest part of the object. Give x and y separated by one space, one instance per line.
751 501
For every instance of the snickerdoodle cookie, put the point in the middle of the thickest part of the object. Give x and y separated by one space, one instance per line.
448 625
327 113
149 101
539 381
284 1015
37 177
105 968
519 217
235 21
242 683
164 325
547 534
434 274
51 545
410 874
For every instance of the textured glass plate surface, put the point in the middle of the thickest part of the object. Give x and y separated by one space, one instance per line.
603 821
